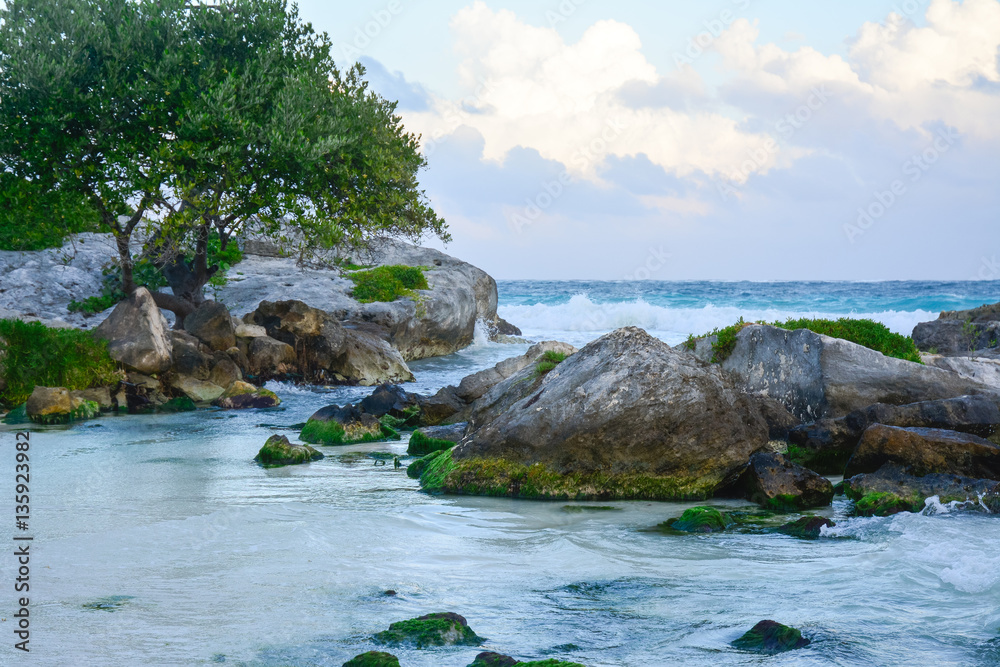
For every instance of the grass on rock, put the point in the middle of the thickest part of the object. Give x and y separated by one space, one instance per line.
873 335
32 354
387 283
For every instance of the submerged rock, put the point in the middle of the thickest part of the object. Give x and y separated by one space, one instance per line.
440 629
701 520
488 659
892 489
807 527
244 396
137 334
924 451
626 417
373 659
278 451
771 637
774 482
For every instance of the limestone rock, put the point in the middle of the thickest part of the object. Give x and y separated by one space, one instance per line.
774 482
925 451
244 396
137 335
212 325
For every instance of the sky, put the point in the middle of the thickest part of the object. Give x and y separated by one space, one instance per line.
720 140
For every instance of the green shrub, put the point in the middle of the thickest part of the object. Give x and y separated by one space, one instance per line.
548 362
35 355
387 283
870 334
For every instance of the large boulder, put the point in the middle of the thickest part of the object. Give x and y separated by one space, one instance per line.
137 334
816 376
199 391
625 417
212 325
774 482
924 451
345 425
270 358
827 444
892 489
191 357
440 321
960 332
326 350
981 369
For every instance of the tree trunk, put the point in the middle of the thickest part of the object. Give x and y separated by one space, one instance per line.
125 259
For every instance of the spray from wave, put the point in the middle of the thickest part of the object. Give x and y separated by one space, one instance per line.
587 319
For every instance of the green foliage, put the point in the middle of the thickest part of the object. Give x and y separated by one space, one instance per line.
870 334
224 258
33 355
548 362
421 445
34 218
387 283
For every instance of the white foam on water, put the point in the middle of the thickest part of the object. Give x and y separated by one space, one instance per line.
581 314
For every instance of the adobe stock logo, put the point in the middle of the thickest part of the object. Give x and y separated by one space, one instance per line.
915 167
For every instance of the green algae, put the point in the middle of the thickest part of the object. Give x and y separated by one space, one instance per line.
179 404
83 411
885 504
421 445
806 528
18 415
440 629
373 659
700 520
327 433
502 478
277 452
769 638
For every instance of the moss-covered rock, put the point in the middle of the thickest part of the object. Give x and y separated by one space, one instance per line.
701 520
551 662
886 504
18 415
373 659
348 425
770 637
503 478
278 451
179 404
439 629
55 405
422 445
807 527
490 659
244 396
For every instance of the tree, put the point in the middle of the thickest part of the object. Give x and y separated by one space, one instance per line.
245 125
84 87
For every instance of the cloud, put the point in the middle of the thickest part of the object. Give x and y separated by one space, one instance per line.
394 86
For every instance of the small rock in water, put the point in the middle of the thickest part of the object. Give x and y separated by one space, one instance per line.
440 629
278 451
390 592
701 520
488 659
770 637
808 527
373 659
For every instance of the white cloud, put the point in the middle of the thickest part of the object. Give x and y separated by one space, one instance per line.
563 100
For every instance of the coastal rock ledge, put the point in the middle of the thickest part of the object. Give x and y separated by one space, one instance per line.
626 417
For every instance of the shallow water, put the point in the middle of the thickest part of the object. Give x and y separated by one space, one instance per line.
159 542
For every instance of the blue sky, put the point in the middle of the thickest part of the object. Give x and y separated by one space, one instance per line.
733 139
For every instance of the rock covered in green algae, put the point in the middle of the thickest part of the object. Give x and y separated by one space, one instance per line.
56 405
439 629
423 442
893 489
179 404
373 659
770 637
773 481
499 660
18 415
700 520
278 451
348 425
807 527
